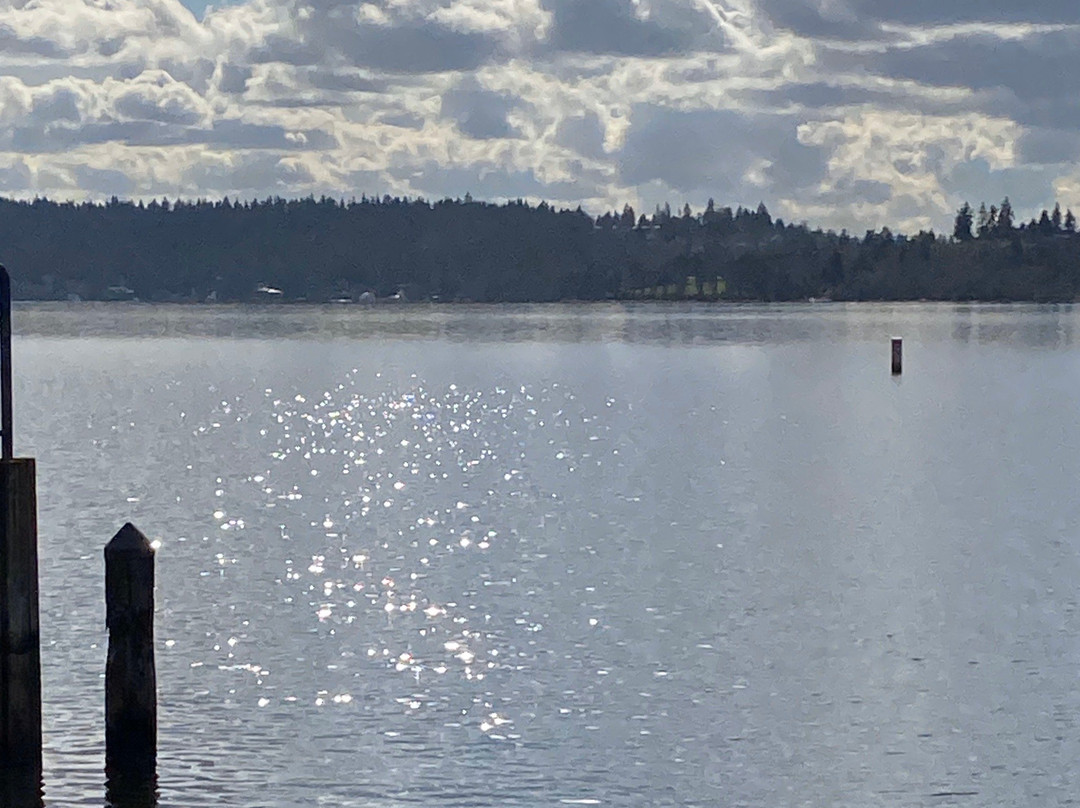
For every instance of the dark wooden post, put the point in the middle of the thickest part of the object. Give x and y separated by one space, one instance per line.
130 679
21 787
897 356
20 648
126 791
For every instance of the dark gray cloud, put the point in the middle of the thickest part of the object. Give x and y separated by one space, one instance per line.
809 19
935 12
494 182
12 43
479 113
402 120
848 191
583 134
1036 67
344 81
694 152
16 177
329 32
227 134
483 182
251 175
613 27
421 48
413 42
140 106
861 19
1023 80
817 95
104 181
62 104
196 73
1028 188
1049 146
234 78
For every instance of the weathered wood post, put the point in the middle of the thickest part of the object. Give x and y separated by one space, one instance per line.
125 791
20 646
130 679
20 654
897 356
20 787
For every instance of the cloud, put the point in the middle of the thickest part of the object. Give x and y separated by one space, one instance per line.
479 113
847 113
624 27
857 19
733 154
156 96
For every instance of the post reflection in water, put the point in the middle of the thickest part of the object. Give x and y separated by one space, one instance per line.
127 791
21 788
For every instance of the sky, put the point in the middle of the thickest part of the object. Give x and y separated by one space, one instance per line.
843 113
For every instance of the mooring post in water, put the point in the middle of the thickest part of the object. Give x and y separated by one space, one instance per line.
21 787
897 356
130 679
20 647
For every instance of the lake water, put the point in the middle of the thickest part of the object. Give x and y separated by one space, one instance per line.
541 556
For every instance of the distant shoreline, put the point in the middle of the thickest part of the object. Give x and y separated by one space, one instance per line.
398 250
449 304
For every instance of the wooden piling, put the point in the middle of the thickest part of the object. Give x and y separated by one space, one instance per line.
20 647
123 791
21 787
130 678
897 356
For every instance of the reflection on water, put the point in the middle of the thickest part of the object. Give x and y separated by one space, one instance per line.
131 792
643 323
552 556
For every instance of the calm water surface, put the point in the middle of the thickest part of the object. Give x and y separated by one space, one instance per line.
644 556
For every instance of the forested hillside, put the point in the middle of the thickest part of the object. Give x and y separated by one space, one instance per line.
322 250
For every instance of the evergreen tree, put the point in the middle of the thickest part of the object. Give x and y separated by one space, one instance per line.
1004 218
1055 217
982 223
321 249
963 223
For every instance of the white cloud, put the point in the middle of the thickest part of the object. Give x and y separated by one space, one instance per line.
843 112
906 155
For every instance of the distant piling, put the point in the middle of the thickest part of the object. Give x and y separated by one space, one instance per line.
130 677
20 644
897 356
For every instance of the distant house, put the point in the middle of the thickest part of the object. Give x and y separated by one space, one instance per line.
118 293
268 293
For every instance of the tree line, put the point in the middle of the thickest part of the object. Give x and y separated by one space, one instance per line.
322 250
998 222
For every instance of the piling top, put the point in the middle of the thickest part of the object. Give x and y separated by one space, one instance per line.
129 539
